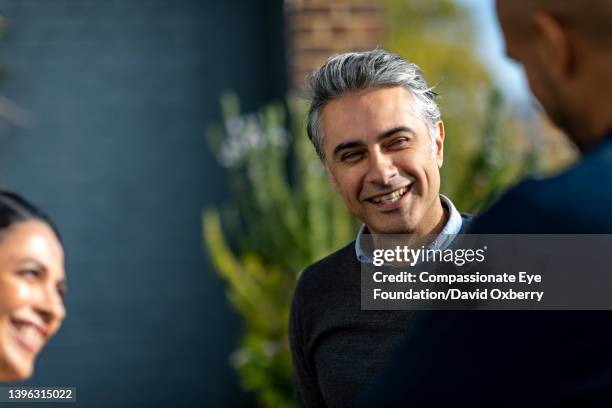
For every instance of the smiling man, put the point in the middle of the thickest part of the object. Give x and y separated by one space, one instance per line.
377 129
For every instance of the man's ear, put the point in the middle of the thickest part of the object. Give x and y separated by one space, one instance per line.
439 143
554 46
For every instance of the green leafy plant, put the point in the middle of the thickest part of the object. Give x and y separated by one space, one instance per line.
285 217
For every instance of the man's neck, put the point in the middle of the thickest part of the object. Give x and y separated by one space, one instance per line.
591 115
587 142
442 220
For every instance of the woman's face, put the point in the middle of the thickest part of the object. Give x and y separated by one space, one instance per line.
32 286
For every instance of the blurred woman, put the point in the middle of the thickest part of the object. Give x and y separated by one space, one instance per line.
32 285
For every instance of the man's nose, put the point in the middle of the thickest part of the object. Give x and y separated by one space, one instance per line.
381 168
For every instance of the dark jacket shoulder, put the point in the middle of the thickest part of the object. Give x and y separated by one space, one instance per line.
575 201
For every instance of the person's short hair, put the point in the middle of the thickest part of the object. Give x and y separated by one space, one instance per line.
356 71
15 209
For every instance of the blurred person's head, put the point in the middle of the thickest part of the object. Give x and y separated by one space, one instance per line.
375 124
32 285
565 47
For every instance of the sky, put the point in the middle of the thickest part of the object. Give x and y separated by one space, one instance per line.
506 73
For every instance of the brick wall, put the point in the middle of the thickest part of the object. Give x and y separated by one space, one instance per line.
319 28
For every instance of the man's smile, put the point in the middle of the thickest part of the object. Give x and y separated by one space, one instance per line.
391 196
391 200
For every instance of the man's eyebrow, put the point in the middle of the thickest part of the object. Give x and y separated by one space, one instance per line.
393 131
357 143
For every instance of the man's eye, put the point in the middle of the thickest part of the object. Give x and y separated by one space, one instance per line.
398 142
351 156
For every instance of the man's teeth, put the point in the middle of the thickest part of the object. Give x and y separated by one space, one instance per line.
394 196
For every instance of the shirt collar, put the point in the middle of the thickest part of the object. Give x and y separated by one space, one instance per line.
442 241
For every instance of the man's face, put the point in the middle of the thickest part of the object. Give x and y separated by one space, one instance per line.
525 47
381 160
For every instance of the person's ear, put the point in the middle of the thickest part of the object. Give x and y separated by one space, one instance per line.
439 143
554 46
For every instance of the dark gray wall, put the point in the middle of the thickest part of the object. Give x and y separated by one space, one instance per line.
120 92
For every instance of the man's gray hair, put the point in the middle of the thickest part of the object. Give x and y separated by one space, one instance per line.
356 71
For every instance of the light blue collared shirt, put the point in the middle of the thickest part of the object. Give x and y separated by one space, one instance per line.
442 241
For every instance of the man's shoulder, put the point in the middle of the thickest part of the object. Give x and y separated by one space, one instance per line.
587 178
341 259
574 201
340 255
526 208
328 273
